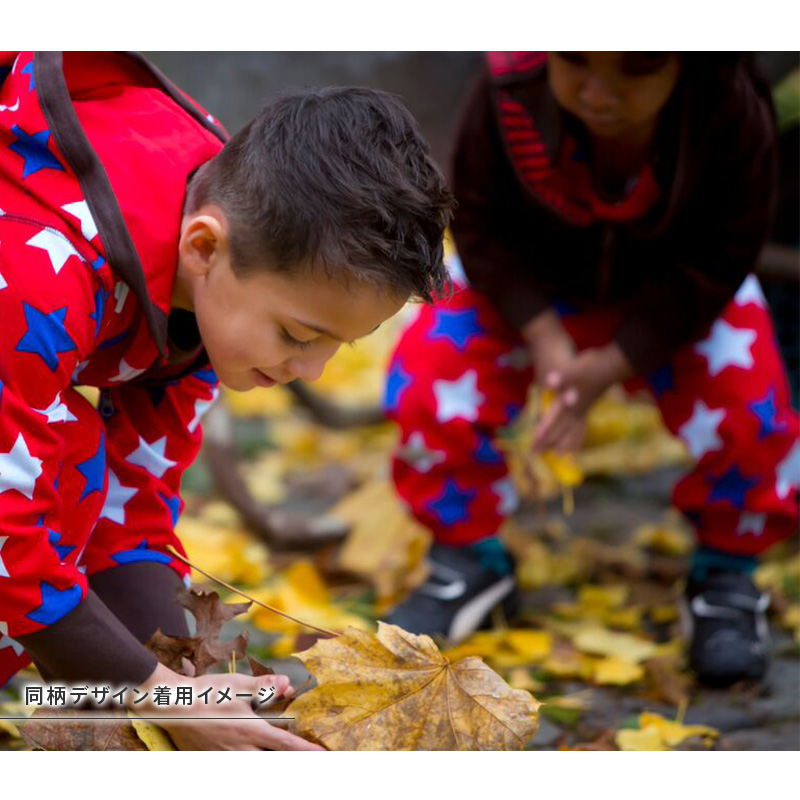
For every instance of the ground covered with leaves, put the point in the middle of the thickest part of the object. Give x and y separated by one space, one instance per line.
600 557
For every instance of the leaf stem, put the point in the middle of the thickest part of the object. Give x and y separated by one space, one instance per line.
233 589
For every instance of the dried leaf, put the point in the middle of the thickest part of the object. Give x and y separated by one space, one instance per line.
71 731
670 684
204 649
396 691
617 672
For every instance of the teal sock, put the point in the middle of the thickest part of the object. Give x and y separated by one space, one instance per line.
493 555
707 559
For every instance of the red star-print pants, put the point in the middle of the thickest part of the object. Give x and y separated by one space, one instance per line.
460 373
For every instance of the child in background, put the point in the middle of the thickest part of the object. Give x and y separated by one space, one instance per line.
142 254
611 208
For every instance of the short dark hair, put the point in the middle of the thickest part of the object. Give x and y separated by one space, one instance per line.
337 178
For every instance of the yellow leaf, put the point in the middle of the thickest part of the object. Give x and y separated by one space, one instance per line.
603 597
386 547
564 467
396 691
153 737
673 733
521 678
616 672
626 618
600 641
645 739
663 538
230 554
301 592
662 615
505 648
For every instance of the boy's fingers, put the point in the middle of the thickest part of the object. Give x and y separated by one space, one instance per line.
278 739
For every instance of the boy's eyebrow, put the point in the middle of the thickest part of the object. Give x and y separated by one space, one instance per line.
329 333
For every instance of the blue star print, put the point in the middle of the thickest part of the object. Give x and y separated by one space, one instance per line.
46 335
32 147
766 413
487 453
732 486
207 375
451 505
456 326
141 553
397 382
174 506
28 70
63 550
662 380
94 470
99 307
56 603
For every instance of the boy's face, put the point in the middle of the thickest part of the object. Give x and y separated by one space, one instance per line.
266 327
614 94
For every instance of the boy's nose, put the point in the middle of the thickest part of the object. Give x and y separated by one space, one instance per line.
307 370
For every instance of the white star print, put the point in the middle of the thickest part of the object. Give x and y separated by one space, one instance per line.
788 473
116 499
507 494
57 412
518 358
200 408
78 369
121 295
151 456
126 372
416 453
3 569
3 282
19 469
750 292
81 211
700 432
7 641
459 398
727 346
10 108
57 247
751 523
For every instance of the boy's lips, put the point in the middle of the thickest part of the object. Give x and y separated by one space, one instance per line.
263 380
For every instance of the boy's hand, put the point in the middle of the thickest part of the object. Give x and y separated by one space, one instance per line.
212 726
576 386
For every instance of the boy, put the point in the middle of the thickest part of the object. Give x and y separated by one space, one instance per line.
610 208
141 256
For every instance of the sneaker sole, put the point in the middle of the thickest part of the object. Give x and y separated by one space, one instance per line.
469 617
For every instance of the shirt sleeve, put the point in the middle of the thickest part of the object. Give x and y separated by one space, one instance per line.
153 435
714 243
491 216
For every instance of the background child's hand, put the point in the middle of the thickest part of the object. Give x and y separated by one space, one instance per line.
229 725
576 386
550 346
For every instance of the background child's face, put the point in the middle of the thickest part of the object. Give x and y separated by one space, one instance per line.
266 327
614 94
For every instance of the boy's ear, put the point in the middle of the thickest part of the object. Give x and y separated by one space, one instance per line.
204 239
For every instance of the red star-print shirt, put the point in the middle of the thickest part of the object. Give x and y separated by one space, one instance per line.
95 153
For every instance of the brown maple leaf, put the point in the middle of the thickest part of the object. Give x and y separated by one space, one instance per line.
204 649
72 730
396 691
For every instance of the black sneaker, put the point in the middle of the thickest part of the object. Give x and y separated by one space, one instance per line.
457 598
726 628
